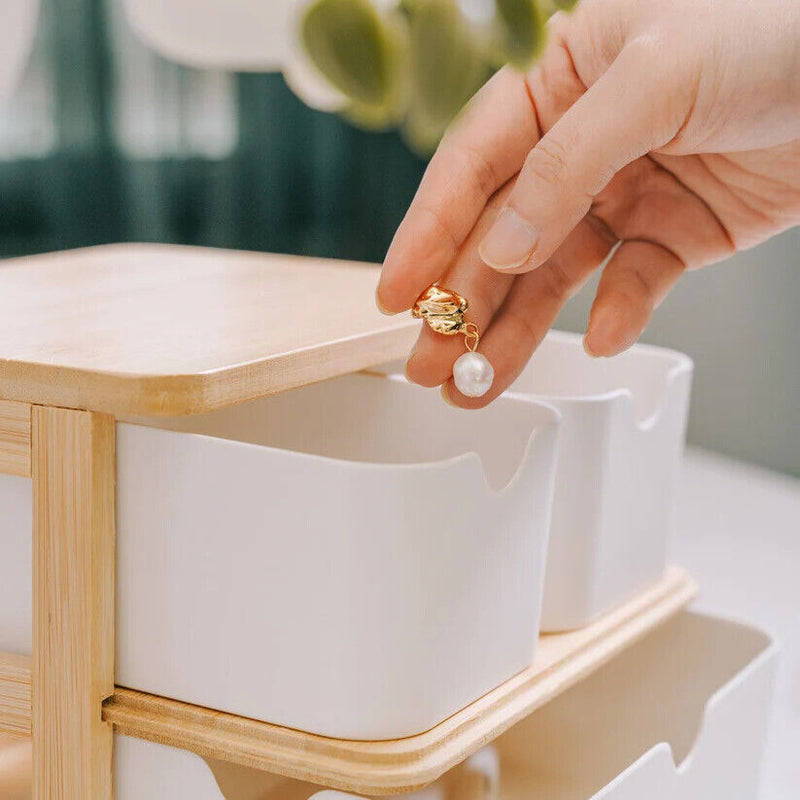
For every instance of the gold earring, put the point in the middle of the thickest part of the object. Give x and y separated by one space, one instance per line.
444 310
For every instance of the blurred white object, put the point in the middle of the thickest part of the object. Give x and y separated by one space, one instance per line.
229 34
242 35
486 763
147 770
28 111
17 32
162 110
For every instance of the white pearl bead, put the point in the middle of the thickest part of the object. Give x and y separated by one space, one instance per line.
473 374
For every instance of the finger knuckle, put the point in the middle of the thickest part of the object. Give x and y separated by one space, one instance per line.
484 302
642 287
481 173
558 28
548 161
441 229
555 83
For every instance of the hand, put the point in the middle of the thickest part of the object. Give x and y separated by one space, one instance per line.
664 133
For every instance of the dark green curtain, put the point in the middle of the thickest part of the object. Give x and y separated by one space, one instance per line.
297 181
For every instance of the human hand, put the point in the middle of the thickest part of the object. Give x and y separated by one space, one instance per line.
667 129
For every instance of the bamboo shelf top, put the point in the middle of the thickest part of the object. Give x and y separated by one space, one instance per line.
158 330
375 768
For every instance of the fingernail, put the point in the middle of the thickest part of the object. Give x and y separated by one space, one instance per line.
510 241
609 334
382 308
587 349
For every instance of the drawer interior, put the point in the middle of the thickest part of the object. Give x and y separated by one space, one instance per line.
560 368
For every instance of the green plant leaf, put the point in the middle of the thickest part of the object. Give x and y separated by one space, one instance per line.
522 30
447 66
348 43
549 7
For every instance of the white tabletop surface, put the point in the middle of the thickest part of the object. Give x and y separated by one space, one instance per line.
737 530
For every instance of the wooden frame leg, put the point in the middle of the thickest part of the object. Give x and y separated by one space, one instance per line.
73 603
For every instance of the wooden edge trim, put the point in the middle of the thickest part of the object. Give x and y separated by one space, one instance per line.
15 438
183 395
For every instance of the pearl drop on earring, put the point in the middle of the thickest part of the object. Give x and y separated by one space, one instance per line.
473 374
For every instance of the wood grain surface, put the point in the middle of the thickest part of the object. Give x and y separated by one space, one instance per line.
167 330
73 603
15 438
15 695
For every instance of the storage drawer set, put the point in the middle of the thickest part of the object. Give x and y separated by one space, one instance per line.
351 558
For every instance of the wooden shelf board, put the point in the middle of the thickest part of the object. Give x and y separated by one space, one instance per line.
399 765
403 764
166 330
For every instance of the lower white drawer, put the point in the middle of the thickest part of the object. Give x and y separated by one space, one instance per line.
680 716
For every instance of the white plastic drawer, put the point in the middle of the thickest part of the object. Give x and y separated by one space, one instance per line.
624 422
680 716
620 446
327 559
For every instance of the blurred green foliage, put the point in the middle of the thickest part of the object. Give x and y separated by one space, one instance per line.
416 63
361 54
447 66
523 32
346 39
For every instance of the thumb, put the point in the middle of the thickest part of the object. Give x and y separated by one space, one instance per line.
624 115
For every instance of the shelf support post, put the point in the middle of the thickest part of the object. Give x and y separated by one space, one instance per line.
73 603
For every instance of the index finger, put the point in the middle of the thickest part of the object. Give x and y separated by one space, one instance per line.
482 151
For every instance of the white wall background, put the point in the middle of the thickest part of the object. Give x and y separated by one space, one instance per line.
740 322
